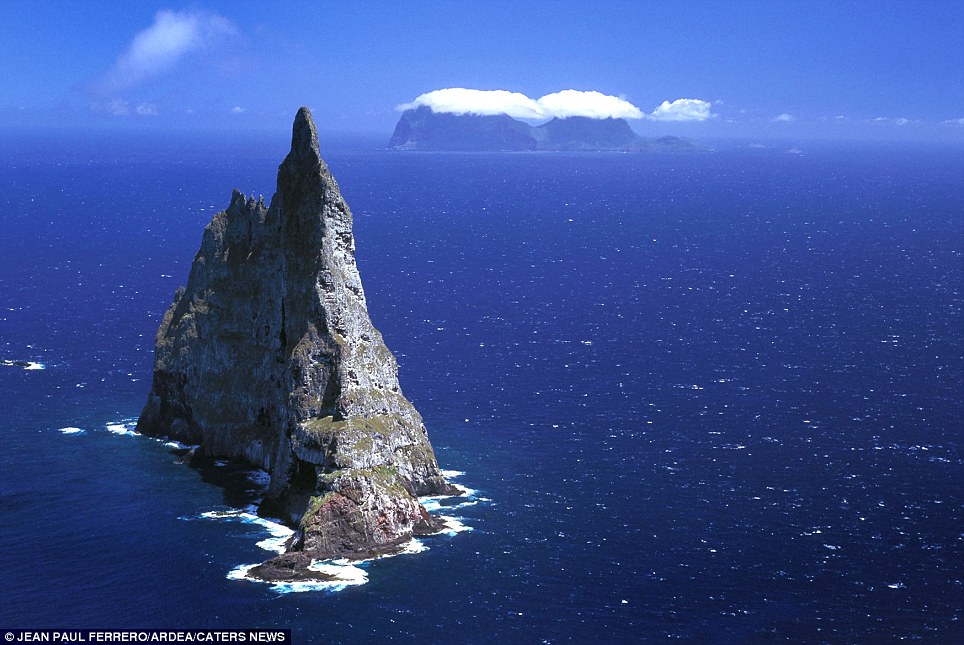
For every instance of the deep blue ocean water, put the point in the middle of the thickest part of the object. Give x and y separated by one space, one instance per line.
711 398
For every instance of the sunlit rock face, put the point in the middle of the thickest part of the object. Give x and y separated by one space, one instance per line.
268 355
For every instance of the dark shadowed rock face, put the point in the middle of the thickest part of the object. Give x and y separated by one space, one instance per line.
268 355
424 129
582 133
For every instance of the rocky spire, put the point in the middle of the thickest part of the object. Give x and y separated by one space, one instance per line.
268 355
304 137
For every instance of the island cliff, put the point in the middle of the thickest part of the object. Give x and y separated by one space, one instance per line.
422 128
268 355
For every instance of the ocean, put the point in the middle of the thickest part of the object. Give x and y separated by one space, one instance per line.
706 398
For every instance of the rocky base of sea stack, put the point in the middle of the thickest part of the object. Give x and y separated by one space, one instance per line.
300 566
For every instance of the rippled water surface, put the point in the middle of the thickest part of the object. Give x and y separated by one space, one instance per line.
712 398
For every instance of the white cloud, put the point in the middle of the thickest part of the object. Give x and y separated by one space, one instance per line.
682 110
784 118
595 105
237 109
160 46
117 107
893 121
122 107
459 100
954 121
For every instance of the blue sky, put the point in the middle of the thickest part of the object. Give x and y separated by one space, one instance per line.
882 69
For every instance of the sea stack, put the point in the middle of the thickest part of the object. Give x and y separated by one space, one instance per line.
268 355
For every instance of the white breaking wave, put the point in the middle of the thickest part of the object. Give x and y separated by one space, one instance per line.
345 575
177 445
27 365
278 531
73 430
432 504
344 572
122 428
466 491
454 525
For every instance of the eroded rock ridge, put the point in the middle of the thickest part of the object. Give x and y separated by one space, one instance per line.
268 355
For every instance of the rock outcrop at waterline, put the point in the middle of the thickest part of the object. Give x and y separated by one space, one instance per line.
268 355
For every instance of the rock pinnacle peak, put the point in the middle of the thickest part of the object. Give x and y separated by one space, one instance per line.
304 136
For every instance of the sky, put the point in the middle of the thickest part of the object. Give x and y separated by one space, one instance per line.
882 69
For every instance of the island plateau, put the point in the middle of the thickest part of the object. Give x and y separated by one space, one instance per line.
422 128
268 355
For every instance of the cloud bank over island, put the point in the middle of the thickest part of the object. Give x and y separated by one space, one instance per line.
563 104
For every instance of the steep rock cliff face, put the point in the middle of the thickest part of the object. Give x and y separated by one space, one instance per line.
268 355
424 129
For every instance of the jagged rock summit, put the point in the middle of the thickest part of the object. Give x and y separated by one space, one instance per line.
268 355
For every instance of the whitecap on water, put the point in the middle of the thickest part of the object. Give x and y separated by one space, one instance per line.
338 575
413 546
122 428
465 490
27 365
454 525
432 504
72 430
278 531
177 445
344 572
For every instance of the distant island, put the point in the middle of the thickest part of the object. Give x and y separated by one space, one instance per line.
424 129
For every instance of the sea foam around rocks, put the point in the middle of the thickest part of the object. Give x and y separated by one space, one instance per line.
346 573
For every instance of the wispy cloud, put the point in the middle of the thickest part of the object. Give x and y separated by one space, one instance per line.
116 107
954 122
237 109
122 107
784 118
159 47
683 110
567 103
893 121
